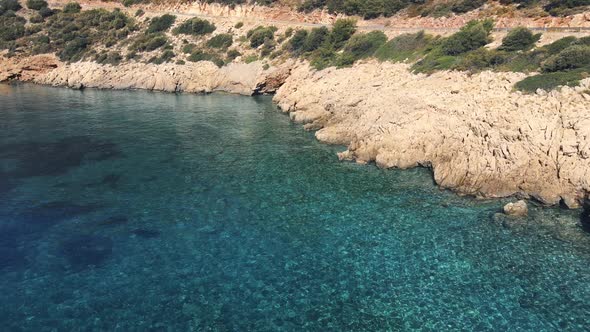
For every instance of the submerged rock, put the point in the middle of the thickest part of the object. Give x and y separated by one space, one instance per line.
517 209
585 216
146 233
85 250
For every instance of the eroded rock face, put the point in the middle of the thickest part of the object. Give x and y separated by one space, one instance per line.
517 209
200 77
478 135
26 68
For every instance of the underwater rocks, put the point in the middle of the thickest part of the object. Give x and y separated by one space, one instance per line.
585 216
56 158
516 209
487 140
86 250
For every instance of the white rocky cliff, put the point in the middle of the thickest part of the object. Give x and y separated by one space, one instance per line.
478 135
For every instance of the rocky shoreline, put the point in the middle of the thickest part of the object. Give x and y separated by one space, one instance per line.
479 136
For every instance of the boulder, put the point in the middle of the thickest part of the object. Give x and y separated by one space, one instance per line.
516 209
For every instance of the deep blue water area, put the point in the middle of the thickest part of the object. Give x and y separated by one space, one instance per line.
139 211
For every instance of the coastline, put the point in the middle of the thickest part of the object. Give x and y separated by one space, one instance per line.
478 136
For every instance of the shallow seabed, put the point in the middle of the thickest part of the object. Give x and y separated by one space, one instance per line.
136 211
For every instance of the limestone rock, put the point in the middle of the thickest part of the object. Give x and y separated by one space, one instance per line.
517 209
478 136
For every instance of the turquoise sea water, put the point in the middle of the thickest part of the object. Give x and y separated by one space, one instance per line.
137 211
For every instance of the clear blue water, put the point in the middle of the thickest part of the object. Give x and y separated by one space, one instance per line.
137 211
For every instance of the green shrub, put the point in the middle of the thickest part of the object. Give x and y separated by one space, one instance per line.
565 7
550 81
295 44
315 39
289 32
573 57
222 41
481 59
111 58
239 25
11 27
166 56
464 6
204 56
36 18
74 50
519 39
409 46
46 12
324 57
195 26
161 24
139 13
232 55
148 43
259 34
188 48
433 62
72 8
180 62
525 62
251 58
341 32
36 4
472 36
9 5
365 45
559 45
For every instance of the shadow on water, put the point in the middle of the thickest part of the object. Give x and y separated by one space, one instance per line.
38 219
146 233
83 251
55 158
585 217
110 180
11 256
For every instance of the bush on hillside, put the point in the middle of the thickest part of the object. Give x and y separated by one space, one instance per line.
222 41
295 44
258 35
12 27
519 39
204 56
550 81
9 5
365 45
36 4
148 43
46 12
315 39
472 36
573 57
161 24
481 59
341 32
560 45
464 6
72 8
195 26
407 46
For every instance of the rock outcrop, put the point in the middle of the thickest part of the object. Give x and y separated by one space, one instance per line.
200 77
517 209
479 136
26 68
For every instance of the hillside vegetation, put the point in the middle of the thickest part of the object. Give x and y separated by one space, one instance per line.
112 37
369 9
